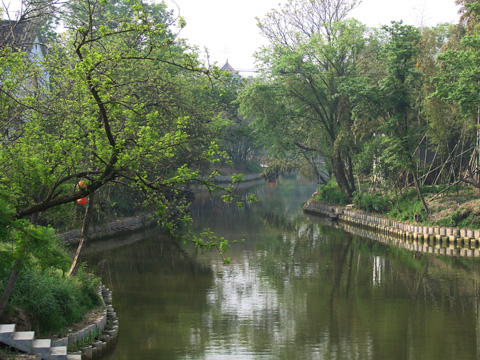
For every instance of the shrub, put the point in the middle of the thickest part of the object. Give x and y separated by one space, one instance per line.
331 193
51 300
406 208
376 202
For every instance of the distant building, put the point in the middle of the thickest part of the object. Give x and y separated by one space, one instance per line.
24 36
229 68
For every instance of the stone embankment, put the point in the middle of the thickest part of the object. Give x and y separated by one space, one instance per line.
228 179
447 241
110 229
91 342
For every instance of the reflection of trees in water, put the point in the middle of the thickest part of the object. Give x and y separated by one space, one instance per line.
424 276
285 196
159 294
277 221
158 253
335 278
307 291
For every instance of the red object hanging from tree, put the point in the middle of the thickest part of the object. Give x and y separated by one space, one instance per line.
82 201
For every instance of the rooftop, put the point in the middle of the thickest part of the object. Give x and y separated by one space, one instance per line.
229 68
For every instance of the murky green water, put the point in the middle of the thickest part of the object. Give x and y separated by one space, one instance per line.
296 289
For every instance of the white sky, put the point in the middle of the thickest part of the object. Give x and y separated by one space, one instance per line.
228 27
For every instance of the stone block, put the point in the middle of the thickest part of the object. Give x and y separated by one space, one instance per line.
23 340
60 342
74 357
87 352
58 353
42 347
6 333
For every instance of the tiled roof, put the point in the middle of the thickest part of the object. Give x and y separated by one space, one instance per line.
229 68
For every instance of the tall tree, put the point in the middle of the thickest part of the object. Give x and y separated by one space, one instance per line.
458 81
398 88
385 97
124 104
311 52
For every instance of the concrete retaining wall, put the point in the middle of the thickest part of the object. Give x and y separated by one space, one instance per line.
442 237
109 229
103 333
228 179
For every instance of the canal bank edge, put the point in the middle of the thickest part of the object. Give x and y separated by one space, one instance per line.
110 229
104 329
131 224
465 238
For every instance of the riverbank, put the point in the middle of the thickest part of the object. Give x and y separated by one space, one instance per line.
132 224
444 238
448 206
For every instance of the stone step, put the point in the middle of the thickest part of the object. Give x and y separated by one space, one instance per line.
74 357
23 340
6 333
58 353
46 349
42 347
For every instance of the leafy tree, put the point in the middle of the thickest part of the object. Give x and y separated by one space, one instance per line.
445 125
385 104
457 81
298 101
126 103
234 134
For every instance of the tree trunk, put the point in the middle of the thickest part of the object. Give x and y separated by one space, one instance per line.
419 192
351 177
339 171
84 236
10 286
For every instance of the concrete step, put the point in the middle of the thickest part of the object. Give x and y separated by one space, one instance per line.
42 347
23 340
74 357
58 353
6 333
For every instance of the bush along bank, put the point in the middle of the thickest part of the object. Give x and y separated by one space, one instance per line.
90 342
435 235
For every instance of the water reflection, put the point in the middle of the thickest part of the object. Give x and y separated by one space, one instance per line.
297 289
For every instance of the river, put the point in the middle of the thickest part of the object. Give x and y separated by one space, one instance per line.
296 288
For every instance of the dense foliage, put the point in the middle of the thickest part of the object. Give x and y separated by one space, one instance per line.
395 106
115 105
114 102
49 301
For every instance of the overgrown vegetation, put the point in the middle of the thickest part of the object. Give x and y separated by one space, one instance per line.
450 207
397 105
371 202
46 301
331 193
